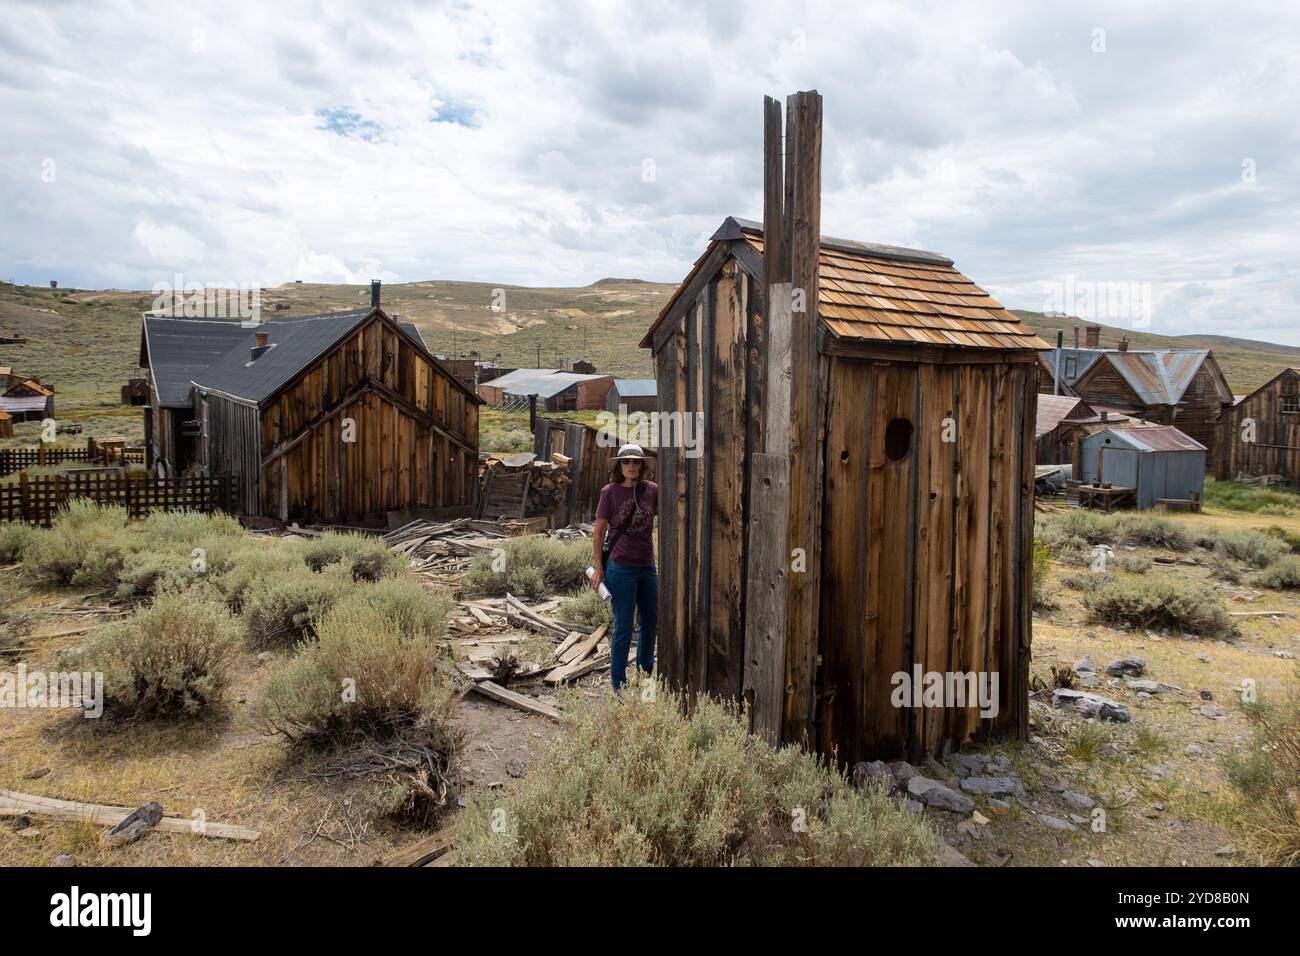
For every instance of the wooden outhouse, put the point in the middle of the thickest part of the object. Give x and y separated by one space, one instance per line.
1260 435
862 511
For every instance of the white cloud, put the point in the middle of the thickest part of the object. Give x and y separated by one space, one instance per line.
509 142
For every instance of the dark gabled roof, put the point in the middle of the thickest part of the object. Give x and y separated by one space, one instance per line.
175 350
295 344
217 354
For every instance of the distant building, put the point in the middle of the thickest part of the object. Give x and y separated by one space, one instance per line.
556 390
340 417
1267 444
1158 460
637 394
27 399
1180 387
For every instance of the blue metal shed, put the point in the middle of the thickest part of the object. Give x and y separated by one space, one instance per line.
1158 460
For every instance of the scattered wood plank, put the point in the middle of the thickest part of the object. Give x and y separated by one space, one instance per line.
573 638
1260 614
584 647
421 852
498 693
15 804
577 669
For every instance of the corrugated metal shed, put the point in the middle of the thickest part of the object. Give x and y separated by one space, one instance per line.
1158 460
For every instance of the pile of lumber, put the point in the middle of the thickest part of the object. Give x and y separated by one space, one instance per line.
521 486
443 547
482 632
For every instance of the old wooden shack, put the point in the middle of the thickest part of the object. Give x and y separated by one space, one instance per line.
632 394
1260 435
864 505
1180 387
339 417
1056 425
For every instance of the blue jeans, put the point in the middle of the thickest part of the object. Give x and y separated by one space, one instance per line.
632 590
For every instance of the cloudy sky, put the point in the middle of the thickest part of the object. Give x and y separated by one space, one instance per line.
1143 150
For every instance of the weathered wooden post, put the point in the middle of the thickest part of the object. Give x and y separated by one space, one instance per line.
785 504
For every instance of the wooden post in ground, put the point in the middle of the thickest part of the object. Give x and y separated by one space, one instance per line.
782 592
803 223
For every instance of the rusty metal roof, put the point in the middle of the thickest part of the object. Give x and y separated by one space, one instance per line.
1153 438
871 292
1054 409
1158 376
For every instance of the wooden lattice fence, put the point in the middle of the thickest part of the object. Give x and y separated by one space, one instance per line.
37 500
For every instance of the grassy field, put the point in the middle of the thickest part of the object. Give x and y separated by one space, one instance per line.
86 343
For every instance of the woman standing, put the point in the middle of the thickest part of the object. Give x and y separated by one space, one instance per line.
623 542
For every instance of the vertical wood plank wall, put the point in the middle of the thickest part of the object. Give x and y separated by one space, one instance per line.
1276 449
416 434
706 365
925 560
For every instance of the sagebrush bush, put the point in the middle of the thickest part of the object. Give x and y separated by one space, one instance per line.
282 610
1134 563
633 782
1083 582
1078 528
145 573
560 566
1289 538
1167 603
186 527
87 546
1222 566
1042 566
1256 548
414 609
1283 574
236 567
170 659
15 538
584 606
1267 774
363 675
1153 531
367 558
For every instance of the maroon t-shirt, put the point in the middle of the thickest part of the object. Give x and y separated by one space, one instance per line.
636 545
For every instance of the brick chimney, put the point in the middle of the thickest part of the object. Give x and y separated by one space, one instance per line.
261 345
1123 342
1093 334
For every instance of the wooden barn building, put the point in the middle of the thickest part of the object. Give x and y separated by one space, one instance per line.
1180 387
1274 411
339 417
863 511
635 394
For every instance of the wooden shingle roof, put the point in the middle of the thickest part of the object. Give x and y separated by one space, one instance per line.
880 293
874 293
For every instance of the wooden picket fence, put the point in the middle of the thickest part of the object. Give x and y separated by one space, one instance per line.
37 500
20 459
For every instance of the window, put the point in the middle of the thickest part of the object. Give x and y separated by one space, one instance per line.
1071 369
1290 403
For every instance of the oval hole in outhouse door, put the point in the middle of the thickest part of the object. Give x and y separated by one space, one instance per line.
898 439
